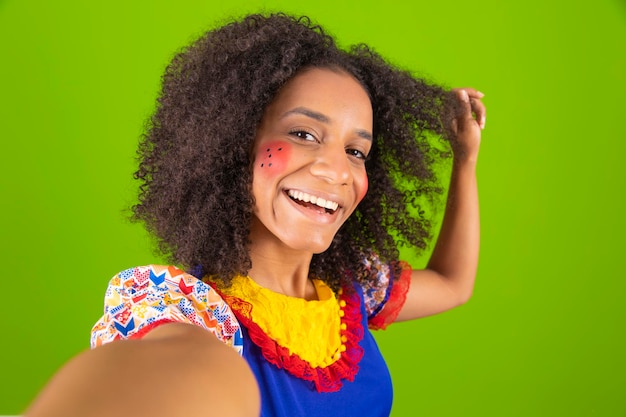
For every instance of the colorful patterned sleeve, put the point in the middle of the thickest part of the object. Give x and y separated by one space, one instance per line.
384 294
139 299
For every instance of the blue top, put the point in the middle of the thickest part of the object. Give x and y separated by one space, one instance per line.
283 394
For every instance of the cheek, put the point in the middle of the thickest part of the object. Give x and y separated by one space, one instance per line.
364 186
272 158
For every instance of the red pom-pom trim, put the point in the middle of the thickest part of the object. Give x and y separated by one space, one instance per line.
327 379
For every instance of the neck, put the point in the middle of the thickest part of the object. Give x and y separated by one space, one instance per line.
282 270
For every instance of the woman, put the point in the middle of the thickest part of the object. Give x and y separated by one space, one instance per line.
282 172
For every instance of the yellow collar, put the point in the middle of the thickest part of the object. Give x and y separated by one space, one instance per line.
309 329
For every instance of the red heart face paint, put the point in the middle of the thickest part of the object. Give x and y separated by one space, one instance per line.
272 158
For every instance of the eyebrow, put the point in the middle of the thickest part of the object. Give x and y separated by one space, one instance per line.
320 117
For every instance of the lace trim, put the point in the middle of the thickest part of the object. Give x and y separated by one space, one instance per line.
325 379
309 329
395 300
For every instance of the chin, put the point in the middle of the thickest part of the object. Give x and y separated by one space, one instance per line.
315 246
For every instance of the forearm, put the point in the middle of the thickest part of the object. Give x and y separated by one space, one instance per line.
455 256
448 279
172 372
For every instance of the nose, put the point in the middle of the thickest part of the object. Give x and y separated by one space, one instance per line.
332 165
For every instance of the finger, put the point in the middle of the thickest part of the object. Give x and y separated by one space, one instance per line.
472 92
455 127
472 110
465 105
478 108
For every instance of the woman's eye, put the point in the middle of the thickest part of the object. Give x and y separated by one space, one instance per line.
356 153
303 134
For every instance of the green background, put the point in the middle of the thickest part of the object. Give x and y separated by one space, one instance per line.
543 334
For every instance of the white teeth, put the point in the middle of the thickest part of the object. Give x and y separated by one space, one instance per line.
318 201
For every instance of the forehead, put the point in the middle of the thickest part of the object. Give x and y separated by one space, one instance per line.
325 90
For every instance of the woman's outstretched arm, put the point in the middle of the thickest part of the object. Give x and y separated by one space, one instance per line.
448 279
175 370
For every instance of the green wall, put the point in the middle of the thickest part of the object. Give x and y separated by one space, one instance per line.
544 332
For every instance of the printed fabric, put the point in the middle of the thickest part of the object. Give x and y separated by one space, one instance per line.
384 293
141 298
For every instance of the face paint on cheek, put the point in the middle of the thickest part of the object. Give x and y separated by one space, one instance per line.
272 158
365 187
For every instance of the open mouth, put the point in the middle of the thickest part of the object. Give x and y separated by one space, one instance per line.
312 202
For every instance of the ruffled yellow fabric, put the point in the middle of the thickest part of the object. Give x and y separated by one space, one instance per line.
309 329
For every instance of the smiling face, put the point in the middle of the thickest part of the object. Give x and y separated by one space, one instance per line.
309 160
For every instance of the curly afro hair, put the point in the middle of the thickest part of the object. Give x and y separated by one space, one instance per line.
195 157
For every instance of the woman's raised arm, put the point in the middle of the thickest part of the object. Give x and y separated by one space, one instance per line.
448 279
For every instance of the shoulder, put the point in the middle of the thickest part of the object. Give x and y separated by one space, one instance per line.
384 289
140 298
143 276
